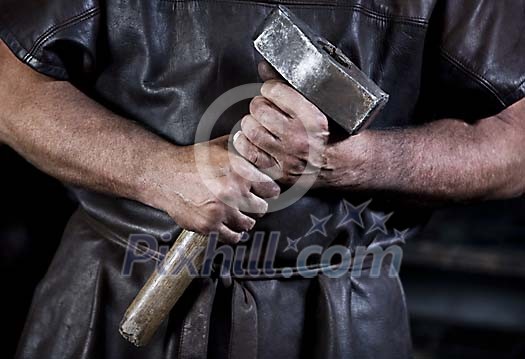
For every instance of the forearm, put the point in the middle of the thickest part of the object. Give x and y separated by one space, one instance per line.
446 160
71 137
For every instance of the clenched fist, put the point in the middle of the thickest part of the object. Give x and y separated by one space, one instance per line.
206 188
284 134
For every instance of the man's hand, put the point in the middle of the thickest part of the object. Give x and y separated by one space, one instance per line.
213 195
445 160
69 136
284 134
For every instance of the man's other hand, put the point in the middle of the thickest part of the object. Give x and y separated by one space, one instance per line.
207 188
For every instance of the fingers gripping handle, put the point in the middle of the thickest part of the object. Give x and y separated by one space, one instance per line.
162 290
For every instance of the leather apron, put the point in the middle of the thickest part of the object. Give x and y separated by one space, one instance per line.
162 63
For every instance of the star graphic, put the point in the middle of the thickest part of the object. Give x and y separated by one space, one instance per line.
400 235
378 222
353 213
318 225
292 244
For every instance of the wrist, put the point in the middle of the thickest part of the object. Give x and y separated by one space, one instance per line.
347 162
150 182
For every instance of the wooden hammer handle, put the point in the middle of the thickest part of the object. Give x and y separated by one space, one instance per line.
162 290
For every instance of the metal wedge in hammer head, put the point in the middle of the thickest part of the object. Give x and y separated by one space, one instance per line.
319 70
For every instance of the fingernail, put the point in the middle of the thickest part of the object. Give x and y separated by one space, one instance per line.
244 237
236 136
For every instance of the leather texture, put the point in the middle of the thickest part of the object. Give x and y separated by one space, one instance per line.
162 63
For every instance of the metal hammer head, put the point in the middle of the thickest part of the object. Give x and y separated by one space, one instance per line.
319 70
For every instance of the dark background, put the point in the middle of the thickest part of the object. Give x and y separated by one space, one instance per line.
464 276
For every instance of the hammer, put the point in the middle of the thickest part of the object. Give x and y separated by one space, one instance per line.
321 73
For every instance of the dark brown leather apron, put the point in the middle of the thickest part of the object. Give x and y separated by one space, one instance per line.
162 63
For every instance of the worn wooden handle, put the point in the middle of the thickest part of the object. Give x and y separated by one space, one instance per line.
162 290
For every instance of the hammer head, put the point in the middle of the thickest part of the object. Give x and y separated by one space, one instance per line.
319 70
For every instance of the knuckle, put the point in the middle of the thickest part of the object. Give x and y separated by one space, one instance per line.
246 118
279 167
255 134
187 223
248 156
242 147
244 190
267 88
254 157
275 190
224 193
234 238
321 120
256 104
260 133
264 163
277 87
300 146
263 208
248 224
272 88
247 151
264 115
206 226
216 210
244 121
